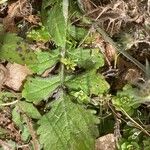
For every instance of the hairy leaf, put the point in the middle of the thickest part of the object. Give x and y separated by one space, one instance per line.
90 83
77 33
16 117
45 60
56 24
6 96
29 109
13 49
36 89
67 126
39 35
87 58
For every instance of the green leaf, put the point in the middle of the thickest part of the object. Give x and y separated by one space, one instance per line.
3 133
67 127
87 58
25 135
90 83
56 24
13 49
16 117
45 60
29 109
36 89
126 99
77 33
6 96
39 35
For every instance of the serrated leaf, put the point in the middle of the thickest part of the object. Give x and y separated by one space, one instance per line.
77 33
36 89
5 96
87 58
56 24
13 49
90 83
16 117
25 135
45 60
67 126
29 109
39 35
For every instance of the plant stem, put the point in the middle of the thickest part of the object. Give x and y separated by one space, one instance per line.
135 123
62 70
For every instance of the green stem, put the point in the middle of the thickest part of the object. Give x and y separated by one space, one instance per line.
62 69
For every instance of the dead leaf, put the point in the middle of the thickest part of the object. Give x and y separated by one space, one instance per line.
106 142
3 75
17 74
18 9
108 50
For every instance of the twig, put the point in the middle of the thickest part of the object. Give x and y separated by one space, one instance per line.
136 124
148 6
11 103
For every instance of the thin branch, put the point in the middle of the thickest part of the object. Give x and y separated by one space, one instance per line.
136 124
8 104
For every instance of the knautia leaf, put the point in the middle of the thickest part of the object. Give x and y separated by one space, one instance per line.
89 82
45 60
86 58
13 49
29 109
67 126
36 89
56 24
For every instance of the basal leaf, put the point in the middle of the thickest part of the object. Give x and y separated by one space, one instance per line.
56 24
87 58
45 60
39 35
29 109
6 96
25 135
90 83
76 32
16 117
13 49
67 126
36 89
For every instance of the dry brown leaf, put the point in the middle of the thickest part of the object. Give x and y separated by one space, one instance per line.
17 74
106 142
15 10
3 75
108 50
